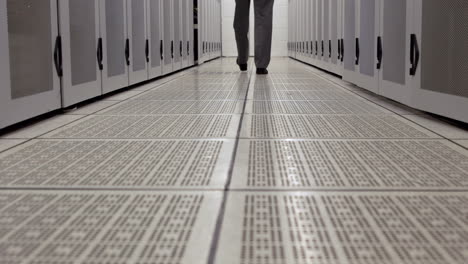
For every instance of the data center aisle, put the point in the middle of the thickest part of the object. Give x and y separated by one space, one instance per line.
216 166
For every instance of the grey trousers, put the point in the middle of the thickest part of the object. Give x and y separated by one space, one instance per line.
263 31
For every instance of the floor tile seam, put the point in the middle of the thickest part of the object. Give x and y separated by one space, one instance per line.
111 189
220 219
326 190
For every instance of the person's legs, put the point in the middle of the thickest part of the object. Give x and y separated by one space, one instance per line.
263 32
241 28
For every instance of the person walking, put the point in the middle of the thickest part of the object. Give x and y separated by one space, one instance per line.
263 33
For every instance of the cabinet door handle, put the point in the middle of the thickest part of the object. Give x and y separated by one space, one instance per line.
172 49
316 48
188 48
323 48
58 56
339 50
100 54
414 54
358 51
181 49
379 53
342 50
161 49
330 48
127 51
147 51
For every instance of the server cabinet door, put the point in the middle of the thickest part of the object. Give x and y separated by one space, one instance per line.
177 26
350 38
191 48
313 32
139 46
333 42
326 34
201 31
393 49
440 57
30 84
185 34
154 27
168 47
366 45
79 26
113 24
320 45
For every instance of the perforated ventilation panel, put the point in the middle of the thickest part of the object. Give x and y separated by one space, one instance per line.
117 164
161 126
181 94
106 227
331 126
315 107
335 228
350 164
444 46
138 107
325 95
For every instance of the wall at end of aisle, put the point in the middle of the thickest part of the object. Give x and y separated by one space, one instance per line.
280 28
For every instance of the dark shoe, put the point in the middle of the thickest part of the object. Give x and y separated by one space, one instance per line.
243 67
262 71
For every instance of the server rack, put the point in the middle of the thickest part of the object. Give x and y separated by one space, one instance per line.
439 57
29 43
177 35
79 20
168 47
137 45
393 49
111 45
155 40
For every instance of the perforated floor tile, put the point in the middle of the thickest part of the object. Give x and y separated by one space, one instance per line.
345 228
106 227
325 95
181 95
463 143
152 127
350 164
315 107
331 126
137 107
90 108
187 164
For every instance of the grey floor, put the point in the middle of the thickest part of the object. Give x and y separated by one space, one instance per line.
215 166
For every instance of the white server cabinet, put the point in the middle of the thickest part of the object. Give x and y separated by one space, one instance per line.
326 45
361 30
29 46
300 25
201 31
155 33
177 35
137 49
168 47
439 57
313 33
79 27
393 49
334 43
191 45
319 42
112 44
185 34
